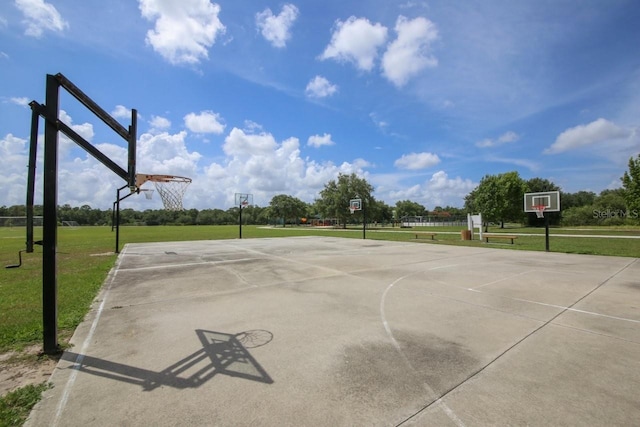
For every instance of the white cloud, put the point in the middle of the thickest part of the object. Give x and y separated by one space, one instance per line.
252 163
410 52
529 164
597 132
357 41
276 29
380 124
85 130
166 153
318 141
438 190
205 122
251 127
22 101
184 30
240 144
440 181
416 161
40 16
160 123
258 164
505 138
3 55
121 112
320 87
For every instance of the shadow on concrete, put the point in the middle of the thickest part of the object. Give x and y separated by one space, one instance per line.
221 354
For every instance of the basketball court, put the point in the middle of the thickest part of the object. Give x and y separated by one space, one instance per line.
341 332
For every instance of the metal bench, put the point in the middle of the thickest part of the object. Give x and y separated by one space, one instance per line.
486 237
422 235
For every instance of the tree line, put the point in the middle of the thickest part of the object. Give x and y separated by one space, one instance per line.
498 197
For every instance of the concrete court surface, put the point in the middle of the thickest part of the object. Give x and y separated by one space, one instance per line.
321 331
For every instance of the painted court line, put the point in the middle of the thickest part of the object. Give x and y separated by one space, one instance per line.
85 345
500 280
187 264
561 307
441 404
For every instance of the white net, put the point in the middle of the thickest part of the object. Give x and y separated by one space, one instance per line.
171 193
171 189
539 211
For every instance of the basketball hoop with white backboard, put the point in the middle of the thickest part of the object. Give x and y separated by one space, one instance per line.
541 202
243 201
355 205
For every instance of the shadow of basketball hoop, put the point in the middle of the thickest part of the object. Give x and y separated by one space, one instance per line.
221 354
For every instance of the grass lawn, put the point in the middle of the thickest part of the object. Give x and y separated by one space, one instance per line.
85 256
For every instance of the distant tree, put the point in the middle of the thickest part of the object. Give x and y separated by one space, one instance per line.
498 197
581 198
334 198
579 215
611 198
382 213
609 208
205 217
538 185
287 207
631 184
409 208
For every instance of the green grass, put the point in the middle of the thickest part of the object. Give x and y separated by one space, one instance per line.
16 405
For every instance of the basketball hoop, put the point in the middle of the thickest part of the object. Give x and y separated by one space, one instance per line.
539 210
355 205
148 193
171 189
243 200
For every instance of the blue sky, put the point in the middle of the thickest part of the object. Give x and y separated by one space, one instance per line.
421 98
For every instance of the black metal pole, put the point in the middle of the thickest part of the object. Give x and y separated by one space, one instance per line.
133 130
117 222
240 221
546 233
31 177
364 221
113 216
50 221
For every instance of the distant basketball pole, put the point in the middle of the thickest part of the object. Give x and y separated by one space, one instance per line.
539 203
242 200
358 205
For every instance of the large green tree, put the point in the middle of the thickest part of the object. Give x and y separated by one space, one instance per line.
631 184
287 207
409 208
334 198
579 199
538 185
498 197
